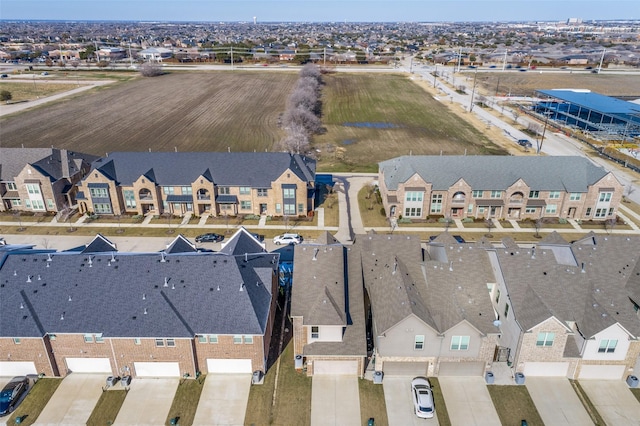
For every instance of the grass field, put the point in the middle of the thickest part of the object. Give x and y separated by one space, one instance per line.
107 408
514 404
35 401
29 91
184 111
374 117
525 83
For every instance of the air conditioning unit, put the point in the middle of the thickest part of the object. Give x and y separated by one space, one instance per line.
126 381
112 380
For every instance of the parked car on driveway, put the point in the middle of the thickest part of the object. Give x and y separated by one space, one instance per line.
209 238
11 394
287 239
422 398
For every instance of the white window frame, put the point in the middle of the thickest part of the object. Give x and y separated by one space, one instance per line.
248 340
418 342
575 196
171 343
554 195
436 203
245 190
315 334
414 196
477 193
605 197
607 346
237 339
159 343
88 338
551 209
545 339
460 343
534 194
495 194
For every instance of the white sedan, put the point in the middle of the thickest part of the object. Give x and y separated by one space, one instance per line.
422 398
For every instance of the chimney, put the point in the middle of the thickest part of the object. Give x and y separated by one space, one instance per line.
64 162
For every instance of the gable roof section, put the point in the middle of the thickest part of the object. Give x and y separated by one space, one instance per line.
181 245
486 172
135 295
253 169
242 242
394 279
319 284
46 160
100 244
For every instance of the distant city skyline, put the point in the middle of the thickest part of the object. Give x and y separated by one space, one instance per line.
318 10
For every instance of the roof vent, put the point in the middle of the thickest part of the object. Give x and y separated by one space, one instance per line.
28 278
162 258
21 305
90 263
173 286
166 282
218 288
39 277
582 270
145 311
315 254
49 258
70 298
451 266
62 316
144 296
242 287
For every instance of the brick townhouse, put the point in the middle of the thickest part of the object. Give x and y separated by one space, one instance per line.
40 179
215 183
168 314
498 187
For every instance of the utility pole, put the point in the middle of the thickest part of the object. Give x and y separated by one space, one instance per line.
473 91
504 61
232 58
459 58
435 74
544 129
601 60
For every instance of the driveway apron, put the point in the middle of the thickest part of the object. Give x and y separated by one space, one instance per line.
223 400
614 401
556 401
148 402
468 401
73 401
335 400
397 397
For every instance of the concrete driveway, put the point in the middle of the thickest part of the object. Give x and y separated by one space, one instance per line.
73 401
223 400
468 401
397 397
556 401
335 400
148 402
613 400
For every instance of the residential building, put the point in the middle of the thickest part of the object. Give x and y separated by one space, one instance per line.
431 312
176 313
40 179
327 309
569 310
418 187
214 183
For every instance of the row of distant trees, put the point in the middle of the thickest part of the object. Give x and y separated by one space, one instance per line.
301 120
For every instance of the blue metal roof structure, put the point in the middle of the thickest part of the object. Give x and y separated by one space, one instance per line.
605 117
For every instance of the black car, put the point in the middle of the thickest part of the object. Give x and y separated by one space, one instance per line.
11 394
209 238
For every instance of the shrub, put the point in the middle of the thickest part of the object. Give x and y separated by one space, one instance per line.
562 220
467 220
404 220
5 95
382 212
252 217
149 69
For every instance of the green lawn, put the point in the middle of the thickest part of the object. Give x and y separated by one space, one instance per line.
636 393
514 404
293 397
34 403
372 117
107 408
372 403
185 401
371 210
438 401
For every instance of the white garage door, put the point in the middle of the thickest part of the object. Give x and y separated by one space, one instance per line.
461 369
229 366
342 367
405 368
88 365
602 372
157 369
17 368
546 369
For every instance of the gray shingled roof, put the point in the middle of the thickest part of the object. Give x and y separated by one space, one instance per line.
134 295
485 172
242 242
325 291
253 169
540 286
46 160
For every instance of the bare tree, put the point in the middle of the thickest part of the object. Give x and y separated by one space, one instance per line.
296 141
490 225
302 117
516 114
629 189
311 70
149 69
611 223
448 221
538 225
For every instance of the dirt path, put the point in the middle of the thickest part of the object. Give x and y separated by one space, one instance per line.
6 109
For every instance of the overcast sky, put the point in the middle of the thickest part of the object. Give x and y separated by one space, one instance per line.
319 10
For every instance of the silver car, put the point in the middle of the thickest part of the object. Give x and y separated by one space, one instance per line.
422 398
